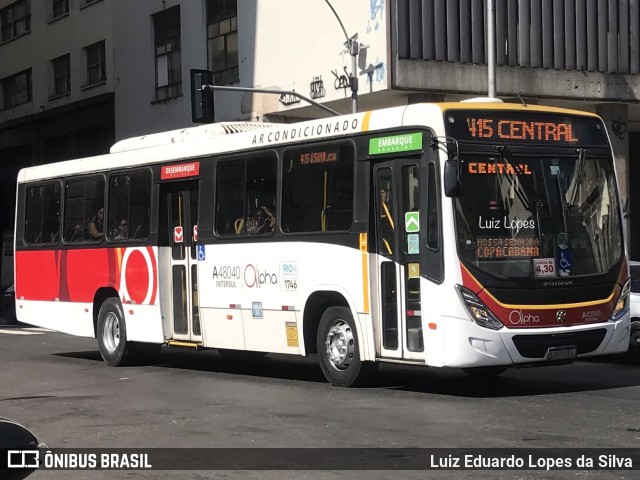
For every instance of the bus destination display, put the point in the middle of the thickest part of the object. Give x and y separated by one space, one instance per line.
500 127
505 247
316 157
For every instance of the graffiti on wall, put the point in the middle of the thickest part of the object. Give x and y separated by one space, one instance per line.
376 7
316 87
619 127
288 99
341 81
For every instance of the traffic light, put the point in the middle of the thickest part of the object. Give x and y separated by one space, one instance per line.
202 110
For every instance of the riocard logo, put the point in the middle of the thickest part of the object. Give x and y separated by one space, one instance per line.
395 143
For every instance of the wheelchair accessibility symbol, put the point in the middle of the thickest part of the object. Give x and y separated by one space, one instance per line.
201 255
564 263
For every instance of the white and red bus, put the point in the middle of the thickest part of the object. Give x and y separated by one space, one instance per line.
472 235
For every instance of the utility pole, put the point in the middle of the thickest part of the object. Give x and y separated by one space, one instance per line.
491 48
353 48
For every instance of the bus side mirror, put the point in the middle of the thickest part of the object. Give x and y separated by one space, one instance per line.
452 178
202 110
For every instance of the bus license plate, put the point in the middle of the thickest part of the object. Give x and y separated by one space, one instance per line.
561 353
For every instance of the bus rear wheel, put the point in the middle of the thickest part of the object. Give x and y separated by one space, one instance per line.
338 349
112 334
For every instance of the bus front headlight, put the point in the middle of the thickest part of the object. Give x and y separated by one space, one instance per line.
622 305
477 310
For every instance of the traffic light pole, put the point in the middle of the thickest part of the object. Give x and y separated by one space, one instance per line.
273 92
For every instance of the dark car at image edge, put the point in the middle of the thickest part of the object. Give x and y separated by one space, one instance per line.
9 303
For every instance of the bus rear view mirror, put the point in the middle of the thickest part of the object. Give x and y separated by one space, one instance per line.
452 178
202 110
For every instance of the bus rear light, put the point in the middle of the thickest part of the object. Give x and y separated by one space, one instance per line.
478 311
414 313
288 308
433 326
234 305
229 317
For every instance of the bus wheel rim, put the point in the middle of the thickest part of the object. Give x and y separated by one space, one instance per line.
111 332
340 345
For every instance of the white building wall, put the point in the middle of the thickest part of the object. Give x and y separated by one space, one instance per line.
298 43
283 44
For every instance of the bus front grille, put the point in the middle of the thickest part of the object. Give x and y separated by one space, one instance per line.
536 346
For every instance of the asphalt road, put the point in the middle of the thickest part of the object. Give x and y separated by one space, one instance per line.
57 386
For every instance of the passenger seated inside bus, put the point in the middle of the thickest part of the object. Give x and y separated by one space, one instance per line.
262 221
122 230
266 220
96 225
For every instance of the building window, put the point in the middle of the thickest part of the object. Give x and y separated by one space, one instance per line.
59 8
15 20
167 52
61 68
96 68
85 3
16 89
222 40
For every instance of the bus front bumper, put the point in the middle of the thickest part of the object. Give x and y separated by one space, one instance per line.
470 345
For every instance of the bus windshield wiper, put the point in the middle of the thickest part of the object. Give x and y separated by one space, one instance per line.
527 185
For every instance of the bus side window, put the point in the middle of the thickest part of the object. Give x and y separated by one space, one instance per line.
83 198
42 216
129 207
318 188
245 198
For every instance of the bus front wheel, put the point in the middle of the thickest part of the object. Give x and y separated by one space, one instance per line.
338 349
112 334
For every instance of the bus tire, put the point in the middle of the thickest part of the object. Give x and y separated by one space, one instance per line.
112 334
338 349
634 342
484 372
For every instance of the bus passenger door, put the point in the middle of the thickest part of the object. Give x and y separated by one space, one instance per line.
179 220
397 224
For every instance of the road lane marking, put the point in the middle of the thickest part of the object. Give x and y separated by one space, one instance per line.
23 331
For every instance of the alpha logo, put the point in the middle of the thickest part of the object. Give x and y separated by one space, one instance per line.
254 277
516 317
561 316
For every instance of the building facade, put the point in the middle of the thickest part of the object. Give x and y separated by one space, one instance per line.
56 91
78 75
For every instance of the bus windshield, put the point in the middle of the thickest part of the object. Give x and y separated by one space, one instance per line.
529 216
